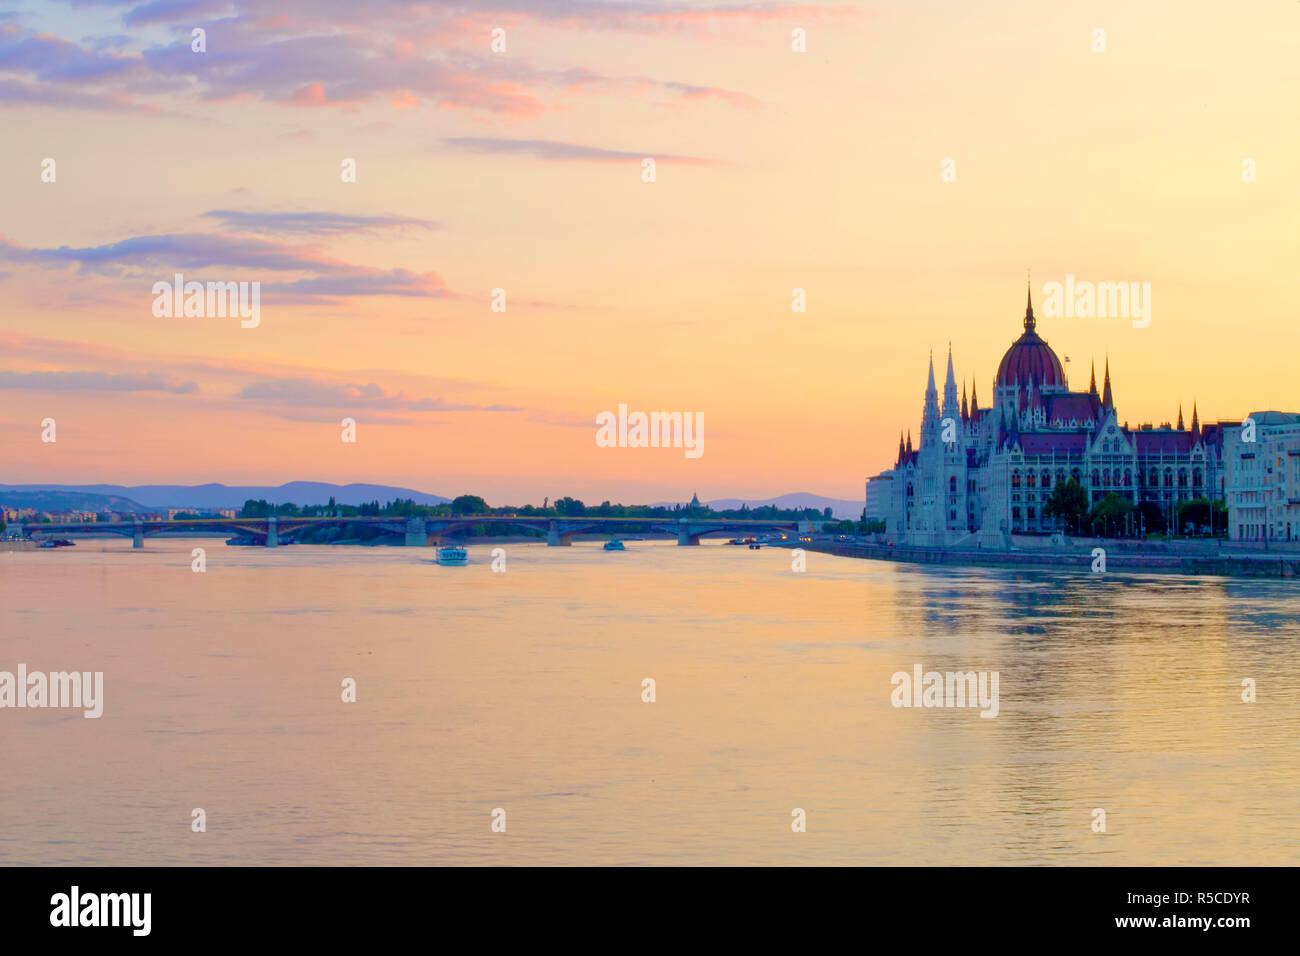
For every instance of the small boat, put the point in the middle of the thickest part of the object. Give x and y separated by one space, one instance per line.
614 545
453 557
754 546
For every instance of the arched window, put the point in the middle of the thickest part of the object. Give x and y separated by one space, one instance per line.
1031 480
1182 477
1015 478
952 485
1096 478
1128 478
1155 479
1169 477
1047 479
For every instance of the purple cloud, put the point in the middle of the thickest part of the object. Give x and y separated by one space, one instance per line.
317 393
69 381
311 223
158 257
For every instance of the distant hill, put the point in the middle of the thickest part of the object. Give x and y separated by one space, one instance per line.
147 497
67 500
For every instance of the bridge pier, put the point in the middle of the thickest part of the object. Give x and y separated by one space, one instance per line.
272 532
555 539
686 539
417 536
137 538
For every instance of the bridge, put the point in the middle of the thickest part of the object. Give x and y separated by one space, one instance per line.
416 532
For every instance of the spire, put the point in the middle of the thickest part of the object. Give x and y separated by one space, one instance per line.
1180 416
909 441
930 412
900 447
974 402
1107 401
950 409
1092 386
1196 424
965 410
1030 322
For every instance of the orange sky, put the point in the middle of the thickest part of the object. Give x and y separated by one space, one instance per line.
522 170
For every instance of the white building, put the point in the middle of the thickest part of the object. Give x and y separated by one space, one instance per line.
981 474
1263 478
878 494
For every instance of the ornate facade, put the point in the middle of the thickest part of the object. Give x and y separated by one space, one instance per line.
984 473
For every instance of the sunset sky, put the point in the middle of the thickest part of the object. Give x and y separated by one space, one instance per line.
522 170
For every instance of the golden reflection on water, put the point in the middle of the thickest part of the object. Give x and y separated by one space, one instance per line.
522 690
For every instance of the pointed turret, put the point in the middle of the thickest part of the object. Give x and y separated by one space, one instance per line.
1107 401
1092 386
930 413
1030 321
1180 416
1196 425
974 402
909 441
965 409
950 409
900 448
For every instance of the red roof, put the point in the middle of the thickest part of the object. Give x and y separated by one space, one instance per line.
1162 442
1074 406
1047 443
1030 359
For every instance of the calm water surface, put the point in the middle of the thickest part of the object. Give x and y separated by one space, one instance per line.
522 690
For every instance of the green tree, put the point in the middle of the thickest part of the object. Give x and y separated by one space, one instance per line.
1069 502
1153 517
1109 516
469 505
1200 513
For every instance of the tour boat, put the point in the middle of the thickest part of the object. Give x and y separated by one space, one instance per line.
453 557
754 546
614 545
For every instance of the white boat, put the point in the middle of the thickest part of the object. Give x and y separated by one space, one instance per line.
453 557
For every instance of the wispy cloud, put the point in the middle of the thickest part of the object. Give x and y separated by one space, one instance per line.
81 381
341 55
568 152
321 393
312 223
158 256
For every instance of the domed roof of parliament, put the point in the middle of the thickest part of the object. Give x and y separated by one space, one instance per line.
1030 359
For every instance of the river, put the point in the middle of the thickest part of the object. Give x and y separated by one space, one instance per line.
521 690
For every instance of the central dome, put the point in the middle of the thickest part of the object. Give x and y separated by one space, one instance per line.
1030 359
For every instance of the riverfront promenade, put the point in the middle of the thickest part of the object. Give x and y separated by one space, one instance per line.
1165 557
